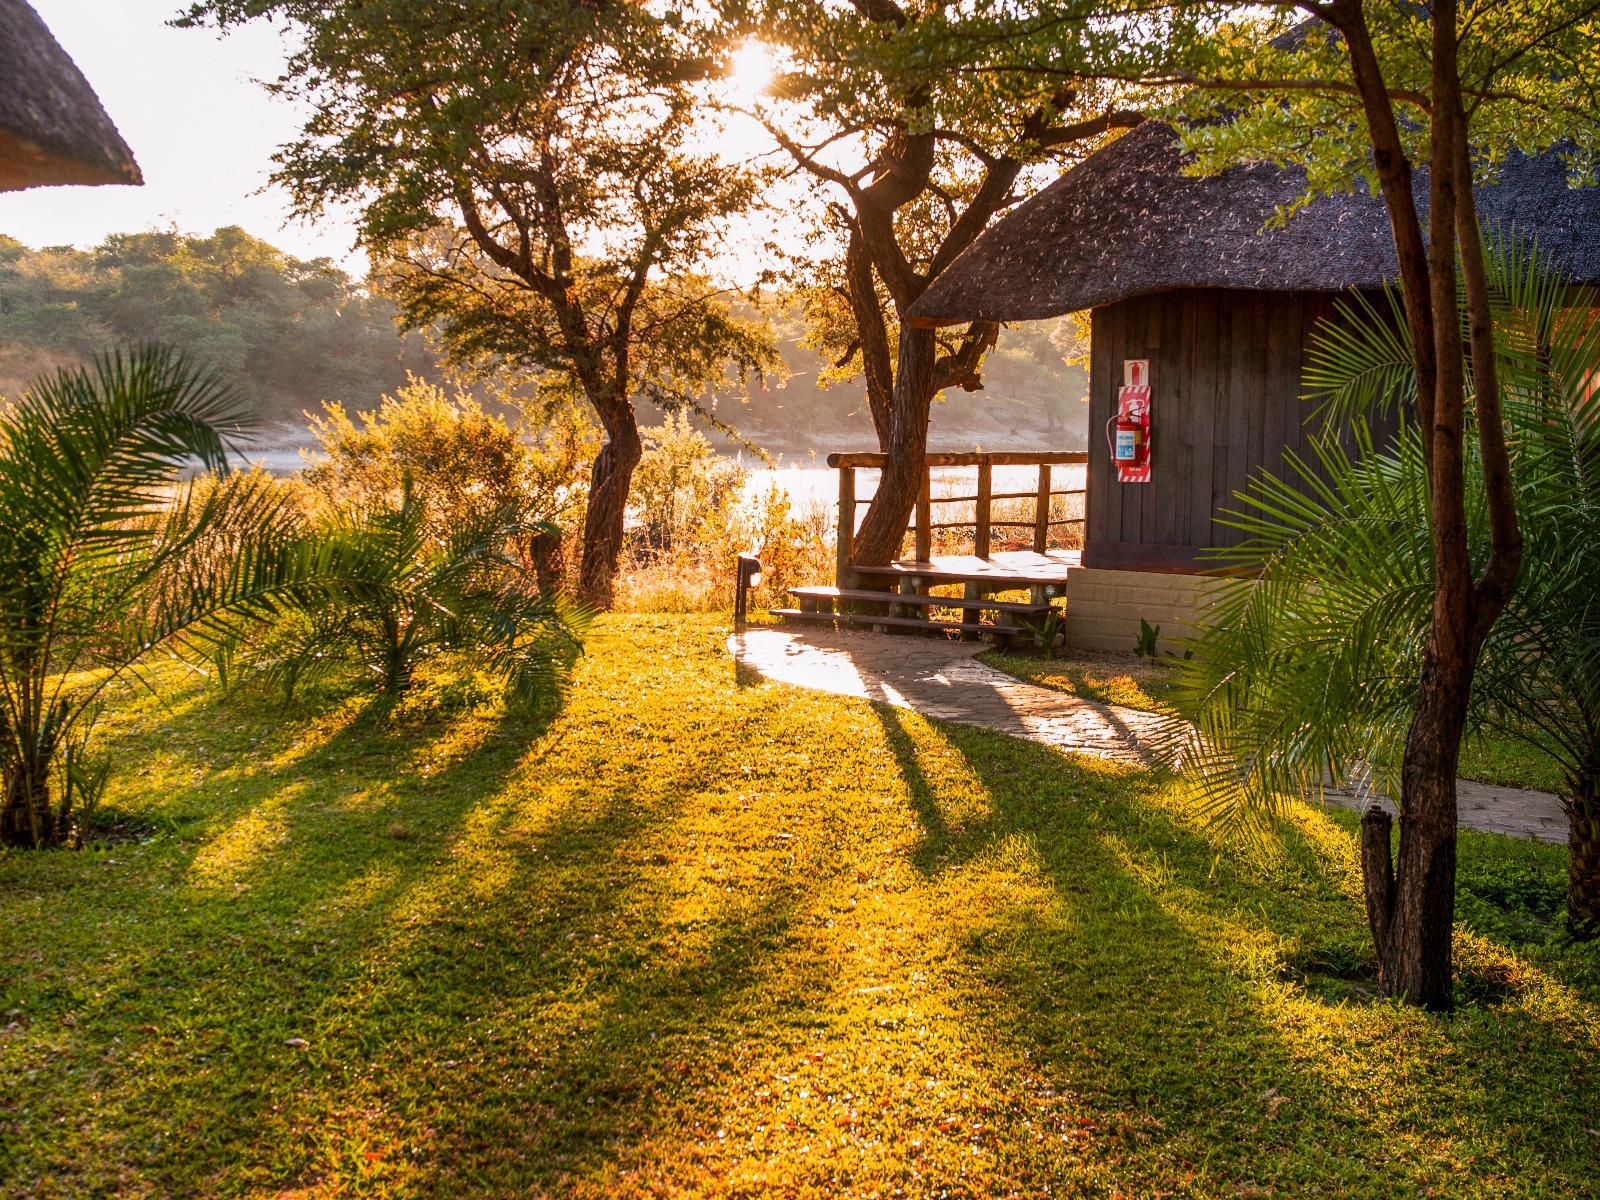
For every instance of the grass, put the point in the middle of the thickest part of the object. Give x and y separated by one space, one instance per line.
1145 683
696 935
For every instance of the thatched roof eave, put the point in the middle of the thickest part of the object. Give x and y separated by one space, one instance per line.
1128 222
53 129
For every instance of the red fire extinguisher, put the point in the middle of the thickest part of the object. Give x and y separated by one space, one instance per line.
1128 432
1129 437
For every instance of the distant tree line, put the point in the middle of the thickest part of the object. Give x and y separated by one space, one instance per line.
291 334
288 333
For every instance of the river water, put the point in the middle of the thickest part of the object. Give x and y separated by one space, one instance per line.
809 487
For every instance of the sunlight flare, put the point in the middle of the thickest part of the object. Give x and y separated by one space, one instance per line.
750 71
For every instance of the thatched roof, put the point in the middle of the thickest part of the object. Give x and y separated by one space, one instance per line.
52 128
1127 222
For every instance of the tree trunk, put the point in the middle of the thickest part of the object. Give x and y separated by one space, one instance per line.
609 483
1411 903
1583 860
873 333
1423 920
1416 917
878 540
549 566
1377 878
27 818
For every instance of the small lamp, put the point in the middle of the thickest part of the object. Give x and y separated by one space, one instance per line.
749 577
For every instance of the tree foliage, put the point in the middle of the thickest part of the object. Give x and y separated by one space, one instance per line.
917 123
527 174
284 333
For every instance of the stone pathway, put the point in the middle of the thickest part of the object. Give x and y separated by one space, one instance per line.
941 678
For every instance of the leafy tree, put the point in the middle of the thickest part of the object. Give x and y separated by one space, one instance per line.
101 566
530 180
918 123
286 334
1310 674
1365 92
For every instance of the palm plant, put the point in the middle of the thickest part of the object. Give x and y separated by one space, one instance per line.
1308 675
105 557
399 594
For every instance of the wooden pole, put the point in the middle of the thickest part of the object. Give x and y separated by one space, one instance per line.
924 540
1041 511
980 536
847 527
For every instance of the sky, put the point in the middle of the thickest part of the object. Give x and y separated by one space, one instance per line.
200 125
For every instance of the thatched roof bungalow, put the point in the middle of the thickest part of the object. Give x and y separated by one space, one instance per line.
52 128
1190 273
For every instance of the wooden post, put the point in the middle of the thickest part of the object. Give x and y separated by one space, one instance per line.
980 537
924 540
1041 511
847 526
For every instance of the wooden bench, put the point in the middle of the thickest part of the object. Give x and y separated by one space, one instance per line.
813 595
844 606
1002 633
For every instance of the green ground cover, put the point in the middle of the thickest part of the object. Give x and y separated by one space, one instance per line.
699 935
1147 684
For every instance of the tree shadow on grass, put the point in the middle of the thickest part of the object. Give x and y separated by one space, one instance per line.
575 978
194 958
1152 990
605 952
502 990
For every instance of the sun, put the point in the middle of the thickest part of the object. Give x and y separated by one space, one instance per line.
750 71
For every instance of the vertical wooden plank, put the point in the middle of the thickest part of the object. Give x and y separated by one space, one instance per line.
1263 387
1203 396
980 536
847 527
1321 311
1285 321
924 538
1102 516
1041 510
1241 373
1171 418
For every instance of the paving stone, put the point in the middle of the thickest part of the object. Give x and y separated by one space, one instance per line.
940 677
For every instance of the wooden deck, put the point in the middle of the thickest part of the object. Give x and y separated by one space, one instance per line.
1002 570
899 597
913 594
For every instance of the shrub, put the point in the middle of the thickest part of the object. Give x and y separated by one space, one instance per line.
400 592
681 484
463 465
106 557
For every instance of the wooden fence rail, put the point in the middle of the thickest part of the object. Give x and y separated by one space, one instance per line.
982 523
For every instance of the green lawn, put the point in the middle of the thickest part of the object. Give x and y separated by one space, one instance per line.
1147 683
699 935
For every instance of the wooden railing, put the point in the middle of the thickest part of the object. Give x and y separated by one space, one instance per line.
982 500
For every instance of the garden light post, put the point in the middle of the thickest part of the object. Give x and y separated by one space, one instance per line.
749 577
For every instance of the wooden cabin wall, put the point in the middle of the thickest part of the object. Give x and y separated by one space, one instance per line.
1225 391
